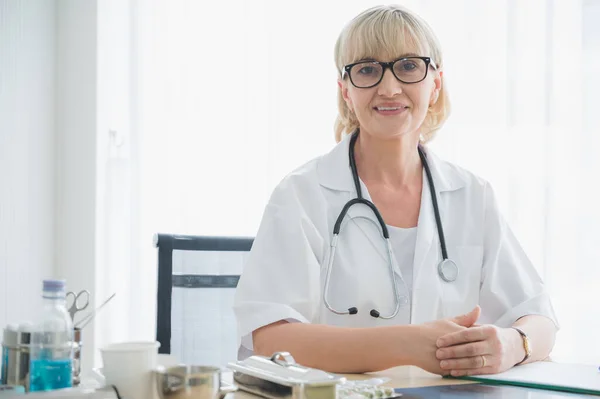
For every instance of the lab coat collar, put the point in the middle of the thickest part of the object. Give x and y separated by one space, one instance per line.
334 170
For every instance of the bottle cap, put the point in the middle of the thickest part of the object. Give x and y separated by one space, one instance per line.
54 285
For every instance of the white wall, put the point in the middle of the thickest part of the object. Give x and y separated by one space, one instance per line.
48 152
76 150
27 155
115 182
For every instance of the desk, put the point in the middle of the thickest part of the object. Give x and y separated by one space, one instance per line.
400 377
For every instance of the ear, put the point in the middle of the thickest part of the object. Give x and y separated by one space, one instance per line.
437 86
344 89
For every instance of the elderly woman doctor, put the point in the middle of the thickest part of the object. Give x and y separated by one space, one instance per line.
378 253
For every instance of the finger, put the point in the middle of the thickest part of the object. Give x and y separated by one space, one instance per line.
464 363
467 320
465 350
460 337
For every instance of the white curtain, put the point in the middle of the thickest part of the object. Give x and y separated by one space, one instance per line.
228 97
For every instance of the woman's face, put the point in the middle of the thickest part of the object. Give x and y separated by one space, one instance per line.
392 108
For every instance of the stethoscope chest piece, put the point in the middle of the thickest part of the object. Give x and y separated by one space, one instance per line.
448 270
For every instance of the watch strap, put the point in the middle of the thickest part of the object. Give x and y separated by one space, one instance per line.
525 345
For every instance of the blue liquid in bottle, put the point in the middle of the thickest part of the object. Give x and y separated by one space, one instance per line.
46 375
51 350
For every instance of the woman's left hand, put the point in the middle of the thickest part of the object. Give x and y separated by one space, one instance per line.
484 349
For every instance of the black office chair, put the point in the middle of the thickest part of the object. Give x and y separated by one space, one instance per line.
197 276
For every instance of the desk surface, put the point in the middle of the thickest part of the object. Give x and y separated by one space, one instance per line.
400 377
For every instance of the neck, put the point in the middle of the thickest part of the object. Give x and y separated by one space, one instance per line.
394 163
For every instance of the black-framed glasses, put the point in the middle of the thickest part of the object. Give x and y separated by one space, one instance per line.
365 74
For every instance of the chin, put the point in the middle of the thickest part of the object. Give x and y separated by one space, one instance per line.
392 133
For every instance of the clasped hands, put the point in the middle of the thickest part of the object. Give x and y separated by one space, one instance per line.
459 347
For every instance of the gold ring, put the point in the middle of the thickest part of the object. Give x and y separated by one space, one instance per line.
484 362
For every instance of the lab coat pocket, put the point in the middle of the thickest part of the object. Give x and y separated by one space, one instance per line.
462 295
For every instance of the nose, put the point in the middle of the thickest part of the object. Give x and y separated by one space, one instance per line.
389 85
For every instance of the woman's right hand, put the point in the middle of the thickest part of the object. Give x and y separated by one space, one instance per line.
427 335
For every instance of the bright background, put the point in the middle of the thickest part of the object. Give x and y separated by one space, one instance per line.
120 119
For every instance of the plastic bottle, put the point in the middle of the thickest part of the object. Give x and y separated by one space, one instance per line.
51 348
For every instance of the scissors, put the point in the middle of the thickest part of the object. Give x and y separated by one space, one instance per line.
77 305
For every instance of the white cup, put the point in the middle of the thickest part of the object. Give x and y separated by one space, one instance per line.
130 367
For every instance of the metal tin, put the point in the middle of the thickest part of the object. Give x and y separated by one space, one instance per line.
16 346
280 377
15 357
194 382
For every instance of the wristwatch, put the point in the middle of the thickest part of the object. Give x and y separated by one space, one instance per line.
526 345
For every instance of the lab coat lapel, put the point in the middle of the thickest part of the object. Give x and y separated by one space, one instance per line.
427 285
425 281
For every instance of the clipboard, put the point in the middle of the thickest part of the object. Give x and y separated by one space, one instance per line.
485 391
576 378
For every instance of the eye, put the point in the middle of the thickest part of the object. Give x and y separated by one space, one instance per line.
367 70
408 65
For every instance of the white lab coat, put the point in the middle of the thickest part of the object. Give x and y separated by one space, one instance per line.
283 278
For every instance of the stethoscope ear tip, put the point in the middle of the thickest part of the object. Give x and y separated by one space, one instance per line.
374 313
353 310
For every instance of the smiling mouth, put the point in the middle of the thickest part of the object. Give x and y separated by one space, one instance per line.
390 108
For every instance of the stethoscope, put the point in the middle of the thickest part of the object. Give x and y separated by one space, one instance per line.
447 268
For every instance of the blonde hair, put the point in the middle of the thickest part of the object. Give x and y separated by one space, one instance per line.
389 31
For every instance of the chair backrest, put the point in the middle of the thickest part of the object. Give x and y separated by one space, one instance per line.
197 276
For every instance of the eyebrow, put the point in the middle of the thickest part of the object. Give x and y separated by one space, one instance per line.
367 59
